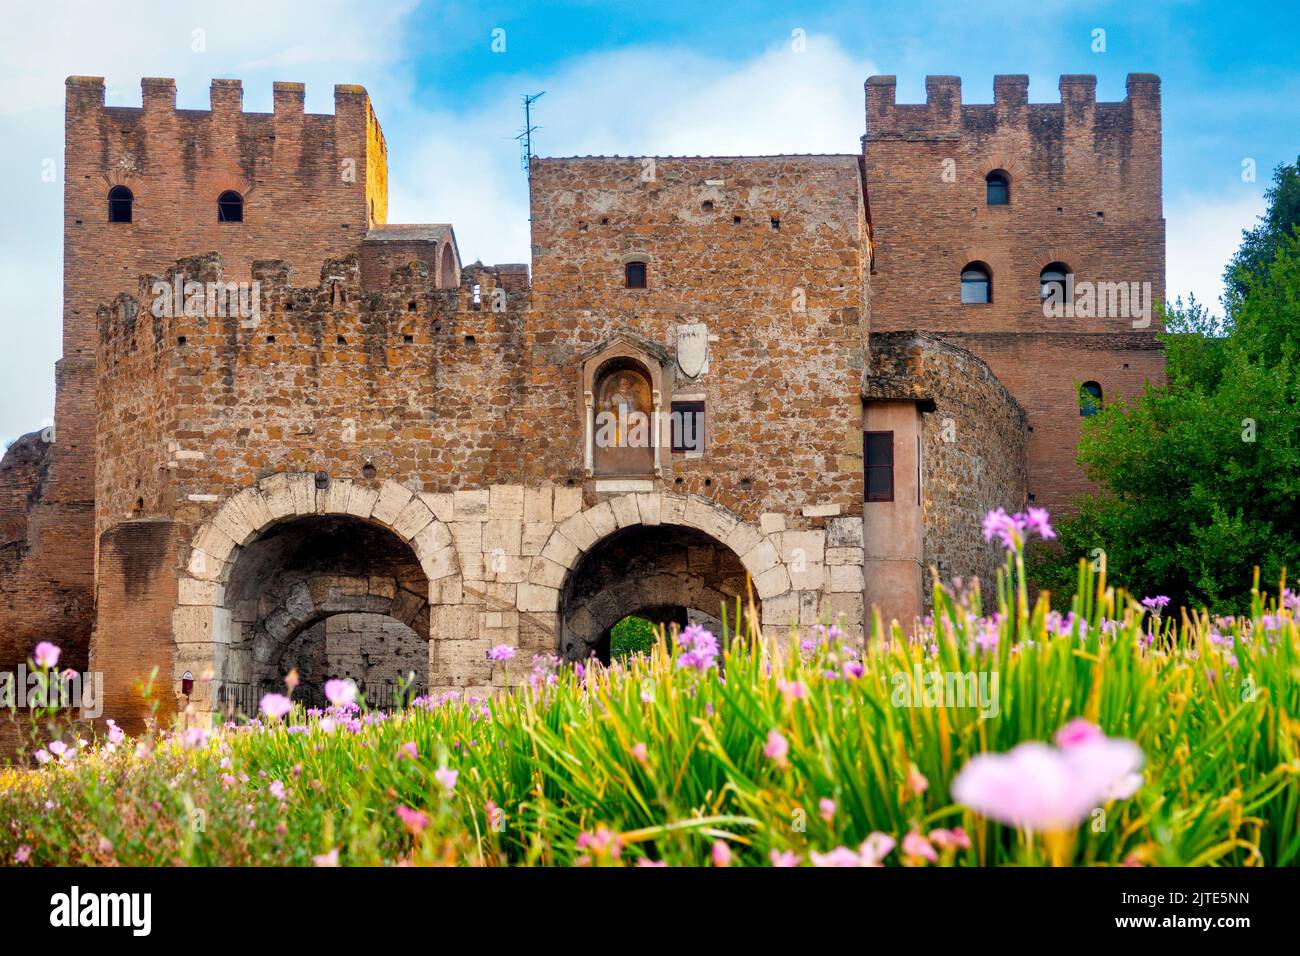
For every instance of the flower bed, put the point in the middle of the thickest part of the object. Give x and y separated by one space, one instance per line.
1114 735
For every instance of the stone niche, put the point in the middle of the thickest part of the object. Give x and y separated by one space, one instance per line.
624 395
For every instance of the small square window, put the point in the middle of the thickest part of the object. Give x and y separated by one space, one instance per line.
878 464
635 275
688 427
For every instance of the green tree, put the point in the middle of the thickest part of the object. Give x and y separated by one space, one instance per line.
1199 479
1260 245
632 635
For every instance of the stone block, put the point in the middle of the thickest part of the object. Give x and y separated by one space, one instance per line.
506 501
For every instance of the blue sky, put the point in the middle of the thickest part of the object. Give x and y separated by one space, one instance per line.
632 78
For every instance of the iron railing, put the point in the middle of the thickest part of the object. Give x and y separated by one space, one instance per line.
234 697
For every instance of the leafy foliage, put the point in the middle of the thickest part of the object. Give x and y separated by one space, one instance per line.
1200 478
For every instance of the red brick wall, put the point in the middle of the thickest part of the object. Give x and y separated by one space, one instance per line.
1068 162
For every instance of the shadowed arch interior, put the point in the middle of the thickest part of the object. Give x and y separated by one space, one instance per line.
668 574
306 570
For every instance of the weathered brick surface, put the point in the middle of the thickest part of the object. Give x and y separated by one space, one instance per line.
1085 191
428 421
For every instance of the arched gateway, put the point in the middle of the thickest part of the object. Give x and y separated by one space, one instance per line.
538 569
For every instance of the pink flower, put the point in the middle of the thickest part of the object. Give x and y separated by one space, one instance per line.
58 748
195 738
784 858
916 782
276 706
840 856
875 848
277 789
46 655
408 750
502 652
640 754
22 854
646 861
340 692
291 679
1037 787
793 690
826 807
415 820
115 733
43 756
327 859
954 839
1078 731
721 853
777 748
917 848
446 777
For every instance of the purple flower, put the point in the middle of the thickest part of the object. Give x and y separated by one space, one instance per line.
1006 528
783 858
276 706
22 854
1155 604
1036 520
502 652
700 648
46 655
277 789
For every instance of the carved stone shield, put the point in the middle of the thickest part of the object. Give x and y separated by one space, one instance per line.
692 348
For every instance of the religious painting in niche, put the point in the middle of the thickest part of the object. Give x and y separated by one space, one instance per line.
623 437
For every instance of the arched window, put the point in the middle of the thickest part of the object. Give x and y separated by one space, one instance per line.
997 188
635 274
230 207
1053 278
1089 399
119 204
976 284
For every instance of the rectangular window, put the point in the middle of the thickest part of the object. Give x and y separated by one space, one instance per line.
635 273
688 427
878 465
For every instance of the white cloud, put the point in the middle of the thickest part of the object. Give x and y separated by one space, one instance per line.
464 168
1202 236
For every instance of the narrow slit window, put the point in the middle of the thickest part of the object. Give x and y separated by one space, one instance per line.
878 463
688 427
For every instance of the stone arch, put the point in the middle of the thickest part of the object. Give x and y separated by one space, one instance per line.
210 621
757 557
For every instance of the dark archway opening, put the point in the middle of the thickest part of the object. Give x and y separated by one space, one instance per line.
668 575
326 596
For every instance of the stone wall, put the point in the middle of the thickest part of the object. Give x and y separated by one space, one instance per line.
973 436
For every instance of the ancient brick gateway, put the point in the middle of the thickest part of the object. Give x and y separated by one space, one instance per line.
290 435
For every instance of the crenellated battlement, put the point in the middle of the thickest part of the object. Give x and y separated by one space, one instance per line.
943 114
226 97
198 305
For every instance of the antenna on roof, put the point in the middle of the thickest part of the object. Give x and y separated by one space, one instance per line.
526 137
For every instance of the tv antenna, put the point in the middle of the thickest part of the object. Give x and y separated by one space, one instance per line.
526 137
